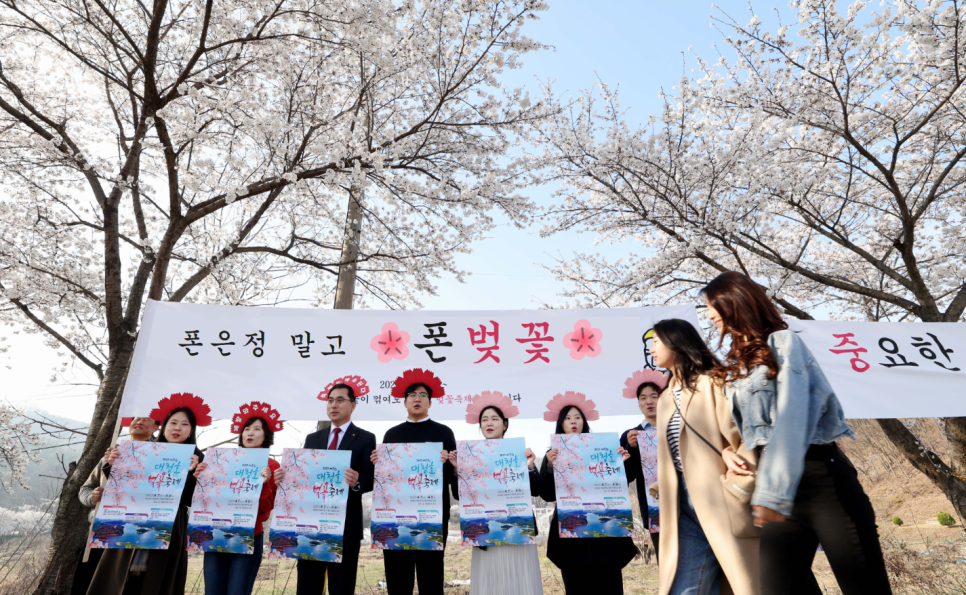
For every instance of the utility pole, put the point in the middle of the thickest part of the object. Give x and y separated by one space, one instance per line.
346 285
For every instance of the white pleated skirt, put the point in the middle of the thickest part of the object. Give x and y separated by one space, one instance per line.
506 569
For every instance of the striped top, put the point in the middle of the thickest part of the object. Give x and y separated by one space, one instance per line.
674 432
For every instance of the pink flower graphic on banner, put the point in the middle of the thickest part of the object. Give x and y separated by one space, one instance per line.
584 341
391 343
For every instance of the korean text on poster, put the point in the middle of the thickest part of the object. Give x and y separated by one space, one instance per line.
407 500
591 486
310 502
142 496
225 502
494 488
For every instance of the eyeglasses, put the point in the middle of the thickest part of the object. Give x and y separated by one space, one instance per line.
340 401
419 395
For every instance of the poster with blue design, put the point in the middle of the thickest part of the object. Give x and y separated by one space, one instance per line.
494 488
407 500
224 507
592 495
142 495
310 502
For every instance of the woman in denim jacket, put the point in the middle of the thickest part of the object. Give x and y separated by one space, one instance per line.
806 491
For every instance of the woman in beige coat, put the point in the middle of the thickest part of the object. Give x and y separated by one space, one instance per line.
703 511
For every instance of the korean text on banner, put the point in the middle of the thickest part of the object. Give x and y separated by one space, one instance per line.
407 499
231 355
142 496
592 496
225 503
891 369
310 502
494 488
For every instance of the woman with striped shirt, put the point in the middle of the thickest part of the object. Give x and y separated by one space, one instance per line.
707 536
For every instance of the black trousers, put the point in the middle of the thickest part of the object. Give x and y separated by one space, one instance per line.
655 540
831 509
404 568
581 581
342 576
85 572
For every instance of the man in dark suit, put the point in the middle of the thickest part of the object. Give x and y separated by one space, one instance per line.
342 435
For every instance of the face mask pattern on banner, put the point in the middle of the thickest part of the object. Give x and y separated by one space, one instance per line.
286 356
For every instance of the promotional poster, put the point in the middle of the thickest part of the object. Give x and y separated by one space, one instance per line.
592 496
225 502
407 501
310 502
141 498
494 487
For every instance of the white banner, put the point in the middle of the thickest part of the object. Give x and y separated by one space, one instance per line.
231 355
891 369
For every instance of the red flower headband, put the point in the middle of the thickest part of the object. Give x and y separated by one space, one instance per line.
197 406
257 409
358 383
560 401
490 399
640 377
417 376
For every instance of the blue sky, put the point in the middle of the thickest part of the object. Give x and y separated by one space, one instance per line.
642 46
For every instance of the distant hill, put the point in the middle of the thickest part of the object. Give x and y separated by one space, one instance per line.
46 475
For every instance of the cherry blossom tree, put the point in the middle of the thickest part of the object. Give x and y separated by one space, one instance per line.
126 471
822 157
473 470
569 466
18 444
389 478
204 151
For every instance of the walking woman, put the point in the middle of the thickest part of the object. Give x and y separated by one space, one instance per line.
497 570
707 534
806 491
586 565
159 572
234 574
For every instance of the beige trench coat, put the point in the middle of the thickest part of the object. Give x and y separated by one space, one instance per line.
707 411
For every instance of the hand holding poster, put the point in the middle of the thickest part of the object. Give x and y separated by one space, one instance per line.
142 496
407 501
494 487
225 502
309 517
592 496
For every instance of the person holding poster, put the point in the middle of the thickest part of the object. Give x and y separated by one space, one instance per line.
159 572
417 388
707 537
229 573
641 442
142 429
586 565
506 567
806 491
340 399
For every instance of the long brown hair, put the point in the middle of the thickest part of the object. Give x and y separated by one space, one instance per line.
691 354
749 316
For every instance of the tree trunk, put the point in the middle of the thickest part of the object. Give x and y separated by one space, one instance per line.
70 528
947 478
346 286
